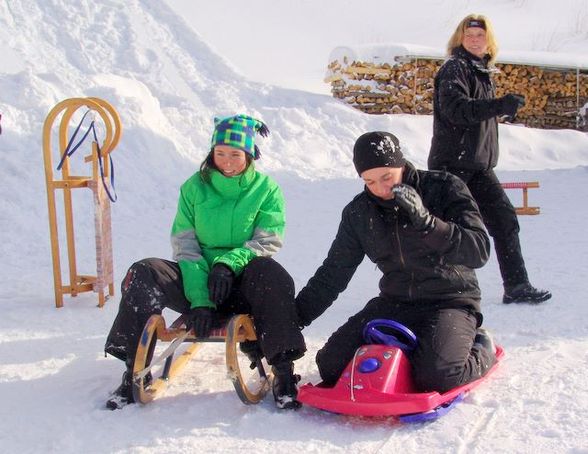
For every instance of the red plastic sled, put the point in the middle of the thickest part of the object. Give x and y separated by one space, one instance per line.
378 382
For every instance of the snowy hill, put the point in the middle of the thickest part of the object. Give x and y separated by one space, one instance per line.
167 83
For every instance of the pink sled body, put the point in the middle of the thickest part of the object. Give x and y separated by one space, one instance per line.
378 382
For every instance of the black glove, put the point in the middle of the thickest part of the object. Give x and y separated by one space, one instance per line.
408 199
220 281
511 103
201 319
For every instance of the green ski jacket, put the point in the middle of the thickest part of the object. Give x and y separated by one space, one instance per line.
230 220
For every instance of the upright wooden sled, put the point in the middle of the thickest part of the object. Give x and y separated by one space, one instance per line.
98 182
251 382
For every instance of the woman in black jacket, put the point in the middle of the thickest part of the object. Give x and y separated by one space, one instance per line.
465 143
424 232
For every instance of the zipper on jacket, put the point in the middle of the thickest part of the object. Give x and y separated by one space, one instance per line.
463 282
402 262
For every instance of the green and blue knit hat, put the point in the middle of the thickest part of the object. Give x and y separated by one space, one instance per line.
239 132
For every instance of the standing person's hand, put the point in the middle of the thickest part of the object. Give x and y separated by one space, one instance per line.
220 282
410 201
511 103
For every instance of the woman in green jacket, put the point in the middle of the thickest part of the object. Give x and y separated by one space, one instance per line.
230 221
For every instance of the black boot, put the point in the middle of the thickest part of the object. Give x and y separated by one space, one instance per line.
525 293
284 385
484 338
123 395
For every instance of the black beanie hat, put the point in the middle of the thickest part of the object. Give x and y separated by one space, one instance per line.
377 149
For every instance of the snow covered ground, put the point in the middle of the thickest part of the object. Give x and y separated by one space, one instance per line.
152 62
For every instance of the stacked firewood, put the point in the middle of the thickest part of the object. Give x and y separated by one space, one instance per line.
555 97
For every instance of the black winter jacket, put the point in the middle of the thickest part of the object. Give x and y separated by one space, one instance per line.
465 110
432 267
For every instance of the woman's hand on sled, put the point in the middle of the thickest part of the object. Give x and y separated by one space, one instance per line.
220 283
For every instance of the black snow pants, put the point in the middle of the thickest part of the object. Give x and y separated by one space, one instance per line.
264 290
500 219
445 356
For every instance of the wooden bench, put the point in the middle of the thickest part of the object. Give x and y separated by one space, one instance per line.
525 186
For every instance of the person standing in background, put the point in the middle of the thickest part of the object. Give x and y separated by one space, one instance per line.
465 143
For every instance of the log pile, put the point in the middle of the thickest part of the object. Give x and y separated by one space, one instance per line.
555 97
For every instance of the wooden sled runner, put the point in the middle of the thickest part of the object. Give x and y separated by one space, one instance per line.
251 383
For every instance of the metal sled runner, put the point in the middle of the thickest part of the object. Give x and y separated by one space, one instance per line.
378 381
251 387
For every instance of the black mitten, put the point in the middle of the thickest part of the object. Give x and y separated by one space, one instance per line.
201 319
511 103
220 282
409 200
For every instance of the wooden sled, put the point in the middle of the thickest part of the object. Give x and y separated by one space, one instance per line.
525 186
251 383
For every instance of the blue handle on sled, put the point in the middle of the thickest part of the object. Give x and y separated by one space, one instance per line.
373 335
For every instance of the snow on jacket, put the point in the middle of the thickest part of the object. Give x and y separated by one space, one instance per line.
465 110
230 220
418 268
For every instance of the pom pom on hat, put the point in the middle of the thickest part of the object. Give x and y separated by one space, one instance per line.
377 149
239 131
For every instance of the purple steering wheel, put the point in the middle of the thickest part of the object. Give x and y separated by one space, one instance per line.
373 335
